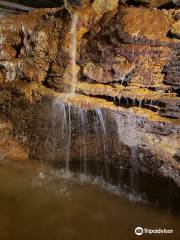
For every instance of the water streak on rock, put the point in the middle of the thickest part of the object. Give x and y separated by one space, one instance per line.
73 53
62 114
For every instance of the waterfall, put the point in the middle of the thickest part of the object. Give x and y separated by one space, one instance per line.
63 110
73 54
100 126
128 135
83 129
72 119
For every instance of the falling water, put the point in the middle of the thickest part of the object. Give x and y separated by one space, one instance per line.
64 110
83 130
100 126
128 134
70 116
71 124
62 121
101 131
132 121
74 53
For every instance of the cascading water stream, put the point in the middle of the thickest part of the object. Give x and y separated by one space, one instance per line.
83 150
100 127
74 53
128 134
74 117
64 108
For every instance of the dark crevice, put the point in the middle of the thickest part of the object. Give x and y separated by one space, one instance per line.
167 6
152 105
40 3
63 14
162 113
74 2
128 102
177 91
18 49
136 3
172 35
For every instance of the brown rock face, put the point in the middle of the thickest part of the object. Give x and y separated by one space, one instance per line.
137 24
42 48
115 46
128 64
37 48
129 50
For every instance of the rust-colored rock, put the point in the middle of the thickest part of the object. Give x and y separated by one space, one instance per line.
142 24
125 46
128 62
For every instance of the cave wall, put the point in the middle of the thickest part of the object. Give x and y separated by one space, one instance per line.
128 64
100 133
125 53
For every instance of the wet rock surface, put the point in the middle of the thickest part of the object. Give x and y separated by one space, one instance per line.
128 64
99 131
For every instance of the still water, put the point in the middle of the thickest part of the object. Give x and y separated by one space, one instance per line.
40 203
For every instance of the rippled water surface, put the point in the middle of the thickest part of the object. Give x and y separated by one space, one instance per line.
37 202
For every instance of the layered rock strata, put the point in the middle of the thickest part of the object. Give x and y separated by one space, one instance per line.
128 66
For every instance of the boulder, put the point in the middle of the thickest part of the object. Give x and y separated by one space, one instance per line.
142 25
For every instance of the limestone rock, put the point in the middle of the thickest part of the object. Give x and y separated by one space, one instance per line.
113 71
123 52
34 117
103 6
150 61
172 71
142 24
1 78
128 65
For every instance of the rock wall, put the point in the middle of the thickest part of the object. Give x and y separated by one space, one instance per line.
126 53
128 64
100 132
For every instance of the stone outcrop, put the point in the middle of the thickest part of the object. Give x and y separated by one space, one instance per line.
128 65
135 51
